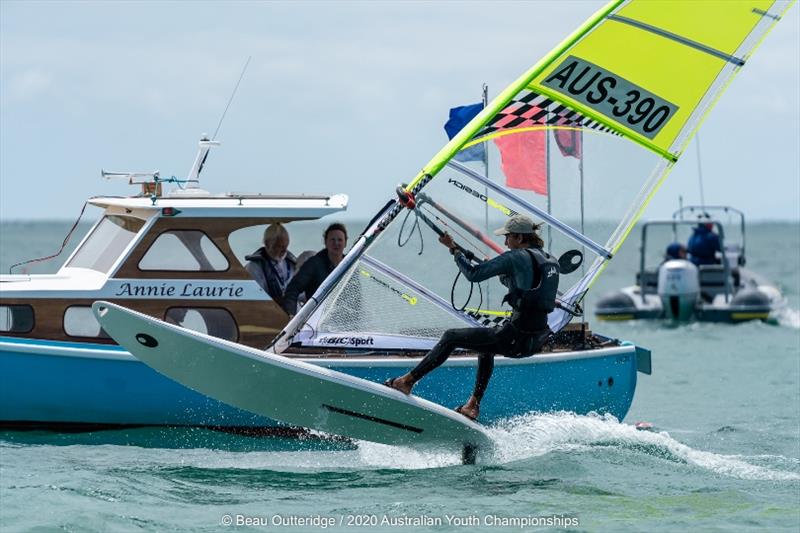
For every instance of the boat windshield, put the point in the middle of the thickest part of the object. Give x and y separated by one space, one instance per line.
106 242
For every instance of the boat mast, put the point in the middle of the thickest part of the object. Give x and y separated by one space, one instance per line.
700 172
547 173
193 179
485 100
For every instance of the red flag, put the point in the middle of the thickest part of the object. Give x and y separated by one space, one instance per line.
523 159
569 142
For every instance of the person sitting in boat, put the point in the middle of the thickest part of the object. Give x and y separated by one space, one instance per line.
273 265
531 275
703 245
314 271
675 251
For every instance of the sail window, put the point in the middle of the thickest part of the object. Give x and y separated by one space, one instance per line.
16 318
184 250
79 321
106 243
213 321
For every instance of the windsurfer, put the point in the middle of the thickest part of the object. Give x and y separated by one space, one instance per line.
525 264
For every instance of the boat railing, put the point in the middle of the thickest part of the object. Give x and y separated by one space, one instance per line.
674 223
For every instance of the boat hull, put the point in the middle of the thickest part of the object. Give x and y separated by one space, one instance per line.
73 385
628 304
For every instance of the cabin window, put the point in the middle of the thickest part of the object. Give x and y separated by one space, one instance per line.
106 243
79 321
213 321
16 318
184 250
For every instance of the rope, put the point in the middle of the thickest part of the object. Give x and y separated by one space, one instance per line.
173 179
63 245
411 233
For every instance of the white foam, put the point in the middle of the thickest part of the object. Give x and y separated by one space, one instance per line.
787 317
534 435
515 439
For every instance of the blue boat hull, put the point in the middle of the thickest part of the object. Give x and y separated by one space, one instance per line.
44 383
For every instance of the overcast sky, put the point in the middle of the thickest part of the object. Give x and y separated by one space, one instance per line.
339 97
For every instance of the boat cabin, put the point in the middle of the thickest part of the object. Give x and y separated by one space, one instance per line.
169 257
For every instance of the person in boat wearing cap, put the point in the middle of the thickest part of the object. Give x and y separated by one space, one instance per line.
704 244
531 276
273 265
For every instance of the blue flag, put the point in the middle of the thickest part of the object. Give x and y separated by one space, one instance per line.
459 117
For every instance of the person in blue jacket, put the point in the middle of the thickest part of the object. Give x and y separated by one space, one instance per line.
531 275
703 245
675 251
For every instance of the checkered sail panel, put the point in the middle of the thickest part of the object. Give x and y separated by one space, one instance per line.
530 109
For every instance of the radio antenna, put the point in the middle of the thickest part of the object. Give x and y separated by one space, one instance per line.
244 69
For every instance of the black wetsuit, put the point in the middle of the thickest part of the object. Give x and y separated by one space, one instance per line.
524 333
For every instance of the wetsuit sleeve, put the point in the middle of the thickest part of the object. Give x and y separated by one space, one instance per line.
482 271
298 284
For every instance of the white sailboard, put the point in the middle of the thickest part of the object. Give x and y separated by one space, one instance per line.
287 390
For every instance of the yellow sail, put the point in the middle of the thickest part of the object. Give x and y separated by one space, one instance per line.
646 69
639 75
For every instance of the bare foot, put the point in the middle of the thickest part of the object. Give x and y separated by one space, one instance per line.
404 383
470 412
471 409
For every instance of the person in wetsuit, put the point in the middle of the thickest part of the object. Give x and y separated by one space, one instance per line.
531 275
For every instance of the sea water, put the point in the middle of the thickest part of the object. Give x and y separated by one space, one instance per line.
723 455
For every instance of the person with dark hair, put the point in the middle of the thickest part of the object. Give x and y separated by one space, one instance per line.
273 265
531 276
675 250
704 244
316 269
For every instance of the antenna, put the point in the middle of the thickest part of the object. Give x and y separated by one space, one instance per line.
219 125
193 180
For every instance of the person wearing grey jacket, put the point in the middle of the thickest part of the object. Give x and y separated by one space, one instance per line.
273 265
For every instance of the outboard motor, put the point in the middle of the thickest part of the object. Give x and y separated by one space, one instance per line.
678 288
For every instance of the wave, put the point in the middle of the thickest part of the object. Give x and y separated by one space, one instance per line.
787 317
516 439
538 434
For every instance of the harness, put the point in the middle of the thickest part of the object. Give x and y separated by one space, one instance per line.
534 304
